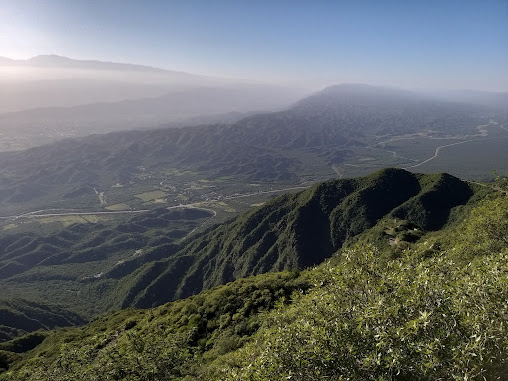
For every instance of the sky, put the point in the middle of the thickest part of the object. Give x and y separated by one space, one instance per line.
405 43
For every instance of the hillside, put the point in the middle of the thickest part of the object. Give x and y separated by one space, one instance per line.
437 310
296 231
65 266
18 317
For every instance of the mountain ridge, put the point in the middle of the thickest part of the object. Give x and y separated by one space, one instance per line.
301 230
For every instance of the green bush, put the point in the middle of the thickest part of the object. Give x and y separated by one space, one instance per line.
407 319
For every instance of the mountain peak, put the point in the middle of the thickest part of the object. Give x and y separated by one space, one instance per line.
49 59
61 61
57 61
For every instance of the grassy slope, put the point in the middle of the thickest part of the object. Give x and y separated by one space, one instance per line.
438 310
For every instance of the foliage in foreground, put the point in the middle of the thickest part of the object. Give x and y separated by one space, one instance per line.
168 342
412 318
413 321
432 313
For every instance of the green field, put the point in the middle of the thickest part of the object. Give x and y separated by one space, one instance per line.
117 207
149 196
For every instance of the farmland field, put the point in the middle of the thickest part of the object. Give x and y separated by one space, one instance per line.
148 196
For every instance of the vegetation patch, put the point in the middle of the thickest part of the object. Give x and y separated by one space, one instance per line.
118 207
70 220
149 196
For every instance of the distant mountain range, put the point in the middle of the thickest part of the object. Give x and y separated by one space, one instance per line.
82 97
200 105
318 132
46 98
56 61
491 99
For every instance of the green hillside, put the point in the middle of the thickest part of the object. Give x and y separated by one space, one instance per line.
296 231
65 266
18 317
435 310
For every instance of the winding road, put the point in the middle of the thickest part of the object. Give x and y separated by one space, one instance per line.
214 214
34 215
194 205
503 126
438 149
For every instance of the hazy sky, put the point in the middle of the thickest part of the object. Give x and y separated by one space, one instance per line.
407 43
